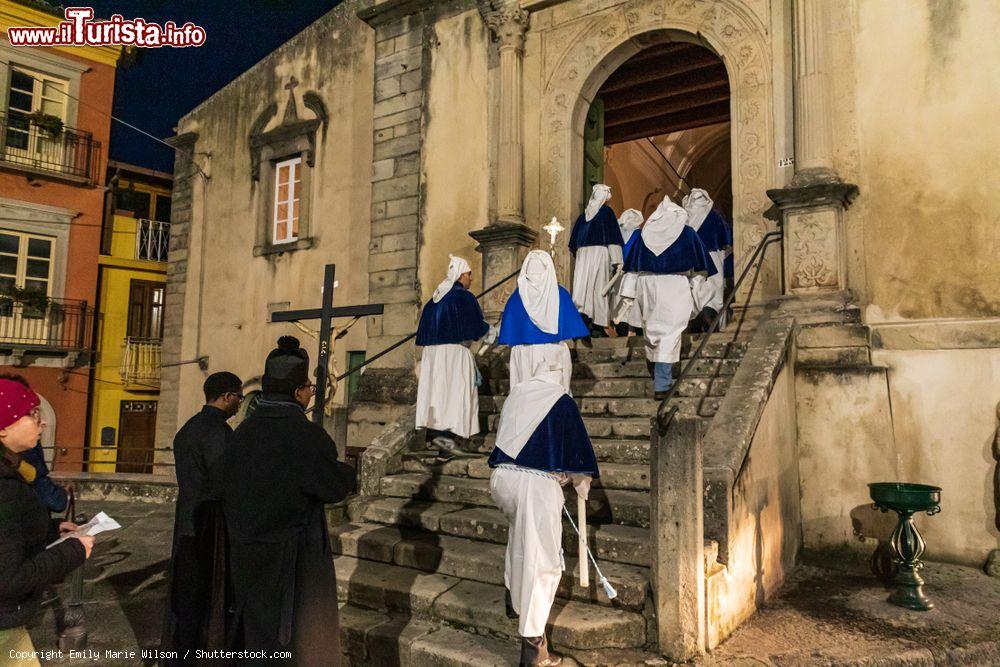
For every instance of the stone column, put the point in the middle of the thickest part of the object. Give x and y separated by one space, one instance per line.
813 126
506 241
508 25
811 209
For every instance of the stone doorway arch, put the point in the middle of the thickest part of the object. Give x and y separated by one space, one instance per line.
579 55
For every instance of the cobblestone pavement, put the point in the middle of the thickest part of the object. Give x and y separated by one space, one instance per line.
823 617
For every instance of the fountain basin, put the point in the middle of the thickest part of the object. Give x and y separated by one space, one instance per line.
907 498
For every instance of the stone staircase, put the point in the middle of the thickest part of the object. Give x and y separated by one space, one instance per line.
420 565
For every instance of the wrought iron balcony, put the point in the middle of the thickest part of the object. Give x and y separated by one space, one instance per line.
70 153
141 361
45 325
152 240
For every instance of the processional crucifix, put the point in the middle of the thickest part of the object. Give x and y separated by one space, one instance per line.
325 314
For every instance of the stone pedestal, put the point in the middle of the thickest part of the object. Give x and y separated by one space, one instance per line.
815 244
503 247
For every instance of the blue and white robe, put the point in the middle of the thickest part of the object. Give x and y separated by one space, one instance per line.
529 344
596 245
447 398
662 286
541 440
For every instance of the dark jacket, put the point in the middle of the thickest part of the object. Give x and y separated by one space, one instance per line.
197 446
273 481
26 566
53 495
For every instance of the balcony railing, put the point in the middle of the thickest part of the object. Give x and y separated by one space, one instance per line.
60 325
152 240
141 361
71 152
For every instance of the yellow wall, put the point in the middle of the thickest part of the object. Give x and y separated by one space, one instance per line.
117 272
926 108
456 165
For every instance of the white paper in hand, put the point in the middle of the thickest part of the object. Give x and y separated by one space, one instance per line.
100 523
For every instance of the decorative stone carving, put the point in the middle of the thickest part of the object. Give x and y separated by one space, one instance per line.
814 238
581 52
508 25
503 248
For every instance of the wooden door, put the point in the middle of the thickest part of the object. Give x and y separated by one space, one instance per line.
593 149
136 435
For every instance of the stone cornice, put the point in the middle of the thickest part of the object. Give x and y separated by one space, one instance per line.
380 12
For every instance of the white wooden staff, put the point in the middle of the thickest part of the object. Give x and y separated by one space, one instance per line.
582 549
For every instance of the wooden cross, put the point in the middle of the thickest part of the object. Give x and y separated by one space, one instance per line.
325 314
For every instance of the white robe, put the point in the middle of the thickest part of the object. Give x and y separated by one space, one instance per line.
666 305
532 503
525 358
591 273
447 398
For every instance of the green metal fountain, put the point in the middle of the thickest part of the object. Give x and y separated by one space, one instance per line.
906 543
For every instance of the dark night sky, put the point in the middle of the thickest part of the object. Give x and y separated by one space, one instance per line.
166 83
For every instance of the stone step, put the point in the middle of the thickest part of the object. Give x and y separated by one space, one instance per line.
630 508
435 597
689 401
477 561
613 475
629 450
634 350
611 542
372 638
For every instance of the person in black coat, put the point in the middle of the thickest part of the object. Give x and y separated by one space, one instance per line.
273 482
197 445
26 566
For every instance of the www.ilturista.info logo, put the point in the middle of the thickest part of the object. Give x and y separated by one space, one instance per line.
79 29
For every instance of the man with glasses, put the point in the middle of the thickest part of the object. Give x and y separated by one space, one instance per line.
199 443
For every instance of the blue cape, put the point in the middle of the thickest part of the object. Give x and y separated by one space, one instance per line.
686 253
516 328
454 319
715 232
559 444
603 230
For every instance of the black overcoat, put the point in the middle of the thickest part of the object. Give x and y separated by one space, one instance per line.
273 481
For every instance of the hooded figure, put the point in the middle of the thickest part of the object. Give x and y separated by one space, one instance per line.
541 445
630 222
273 481
447 398
538 318
596 243
718 239
663 266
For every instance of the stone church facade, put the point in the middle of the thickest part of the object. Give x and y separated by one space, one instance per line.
425 128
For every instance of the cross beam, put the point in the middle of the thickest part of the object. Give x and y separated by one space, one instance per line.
325 314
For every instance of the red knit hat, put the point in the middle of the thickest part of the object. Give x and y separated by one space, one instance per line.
16 401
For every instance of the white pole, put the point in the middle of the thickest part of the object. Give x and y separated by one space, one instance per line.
581 513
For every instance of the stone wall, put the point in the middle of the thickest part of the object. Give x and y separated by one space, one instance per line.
221 287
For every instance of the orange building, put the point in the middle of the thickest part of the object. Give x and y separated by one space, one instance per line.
54 131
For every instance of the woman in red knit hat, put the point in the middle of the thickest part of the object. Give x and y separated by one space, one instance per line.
26 566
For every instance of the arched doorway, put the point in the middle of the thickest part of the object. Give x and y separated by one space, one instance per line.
582 55
49 434
660 126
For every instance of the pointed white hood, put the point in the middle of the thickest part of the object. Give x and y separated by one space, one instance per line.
539 290
629 221
598 197
664 226
698 205
456 267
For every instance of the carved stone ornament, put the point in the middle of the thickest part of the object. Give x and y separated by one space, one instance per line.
293 135
508 26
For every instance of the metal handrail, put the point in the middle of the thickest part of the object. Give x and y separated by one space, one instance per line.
414 334
665 414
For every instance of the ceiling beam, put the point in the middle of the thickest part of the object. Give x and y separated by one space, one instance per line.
705 79
694 103
629 76
667 123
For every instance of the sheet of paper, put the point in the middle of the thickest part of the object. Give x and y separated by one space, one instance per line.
100 523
